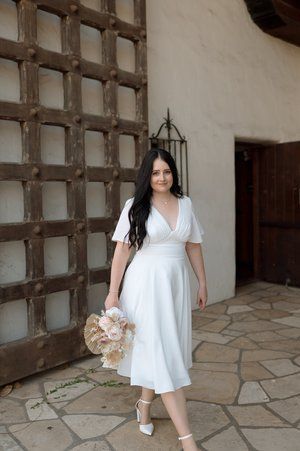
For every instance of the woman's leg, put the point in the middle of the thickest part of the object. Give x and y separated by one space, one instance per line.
175 404
147 395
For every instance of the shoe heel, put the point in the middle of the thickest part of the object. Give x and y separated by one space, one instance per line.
144 428
138 415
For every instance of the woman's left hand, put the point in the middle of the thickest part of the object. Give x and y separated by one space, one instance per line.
202 297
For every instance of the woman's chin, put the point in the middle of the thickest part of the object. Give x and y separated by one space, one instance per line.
161 189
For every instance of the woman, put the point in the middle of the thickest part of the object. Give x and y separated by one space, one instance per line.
160 223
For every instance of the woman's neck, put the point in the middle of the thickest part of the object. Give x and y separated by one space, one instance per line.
163 197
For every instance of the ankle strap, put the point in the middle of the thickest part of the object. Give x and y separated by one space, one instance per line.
185 436
145 402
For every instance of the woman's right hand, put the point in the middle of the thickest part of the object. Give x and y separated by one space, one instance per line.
112 300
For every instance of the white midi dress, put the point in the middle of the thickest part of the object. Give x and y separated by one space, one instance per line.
156 297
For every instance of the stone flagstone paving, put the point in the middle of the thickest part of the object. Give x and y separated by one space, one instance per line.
245 392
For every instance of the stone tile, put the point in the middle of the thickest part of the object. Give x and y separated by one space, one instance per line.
198 322
290 297
60 404
92 446
275 439
11 411
109 400
255 416
243 343
205 419
211 337
254 326
65 373
261 305
27 390
261 354
2 429
43 435
293 321
292 346
283 387
251 393
215 317
262 285
210 352
253 371
158 409
268 296
287 408
225 441
218 309
243 316
289 333
211 386
264 336
128 437
195 344
286 306
297 360
245 289
60 391
232 333
275 288
38 409
238 309
242 299
216 326
103 377
281 367
90 426
269 314
88 362
227 367
7 443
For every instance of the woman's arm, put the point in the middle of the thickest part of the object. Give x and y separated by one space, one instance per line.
194 252
118 265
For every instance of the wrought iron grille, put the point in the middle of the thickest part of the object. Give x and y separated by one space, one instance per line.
42 348
176 146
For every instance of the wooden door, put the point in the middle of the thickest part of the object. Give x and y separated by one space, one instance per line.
244 215
279 213
41 346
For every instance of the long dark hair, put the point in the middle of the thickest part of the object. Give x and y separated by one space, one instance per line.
140 209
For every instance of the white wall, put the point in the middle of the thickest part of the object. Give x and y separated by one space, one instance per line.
223 78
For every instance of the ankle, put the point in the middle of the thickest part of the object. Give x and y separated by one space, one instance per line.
187 442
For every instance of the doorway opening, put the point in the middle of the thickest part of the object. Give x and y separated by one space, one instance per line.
246 202
267 212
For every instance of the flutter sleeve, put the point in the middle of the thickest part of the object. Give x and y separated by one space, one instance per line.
123 225
196 228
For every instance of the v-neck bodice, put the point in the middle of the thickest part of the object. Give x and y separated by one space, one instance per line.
158 229
164 219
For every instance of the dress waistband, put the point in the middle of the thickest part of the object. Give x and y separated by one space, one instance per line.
171 250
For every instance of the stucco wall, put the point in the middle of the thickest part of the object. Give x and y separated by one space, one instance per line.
222 78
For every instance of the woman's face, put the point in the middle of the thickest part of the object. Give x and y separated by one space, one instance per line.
161 177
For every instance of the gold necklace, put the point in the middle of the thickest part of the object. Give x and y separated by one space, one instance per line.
165 202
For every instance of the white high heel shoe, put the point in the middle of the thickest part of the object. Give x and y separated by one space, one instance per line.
144 428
